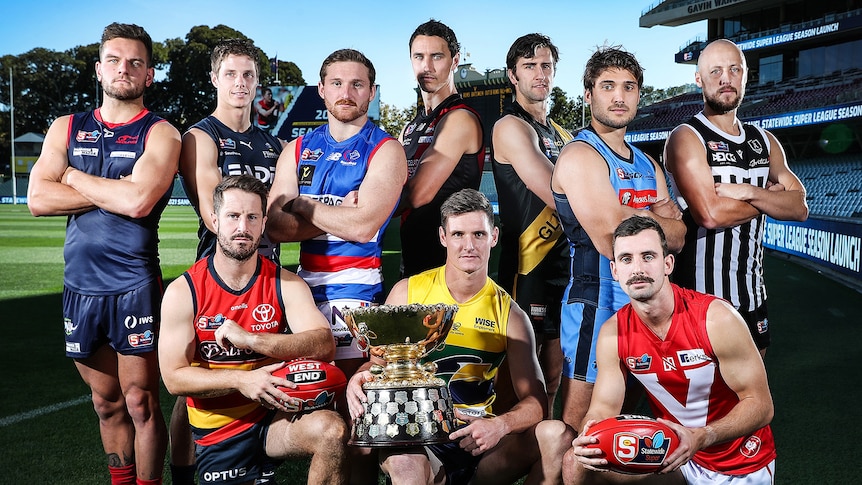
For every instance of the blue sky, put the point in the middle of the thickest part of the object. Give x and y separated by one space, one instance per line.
306 32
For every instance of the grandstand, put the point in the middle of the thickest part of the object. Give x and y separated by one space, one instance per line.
805 86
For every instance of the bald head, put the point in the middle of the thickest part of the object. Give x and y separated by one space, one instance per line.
722 75
721 49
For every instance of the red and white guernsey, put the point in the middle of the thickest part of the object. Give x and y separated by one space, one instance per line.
683 382
257 308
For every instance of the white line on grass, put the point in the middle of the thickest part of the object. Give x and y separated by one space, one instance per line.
17 418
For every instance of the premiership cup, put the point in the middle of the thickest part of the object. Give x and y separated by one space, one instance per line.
407 405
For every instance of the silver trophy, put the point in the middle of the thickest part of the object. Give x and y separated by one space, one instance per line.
407 405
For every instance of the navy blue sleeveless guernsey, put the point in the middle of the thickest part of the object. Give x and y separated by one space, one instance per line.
109 253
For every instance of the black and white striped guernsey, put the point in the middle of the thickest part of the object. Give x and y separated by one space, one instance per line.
727 262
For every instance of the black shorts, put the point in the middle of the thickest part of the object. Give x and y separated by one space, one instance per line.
542 302
758 325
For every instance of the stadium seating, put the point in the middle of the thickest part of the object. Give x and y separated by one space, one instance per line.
833 185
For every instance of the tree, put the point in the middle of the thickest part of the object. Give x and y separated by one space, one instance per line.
393 120
566 111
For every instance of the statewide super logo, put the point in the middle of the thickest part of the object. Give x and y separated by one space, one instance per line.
634 450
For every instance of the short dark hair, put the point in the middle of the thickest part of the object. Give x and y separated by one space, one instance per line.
348 55
244 182
234 47
636 224
463 202
128 31
435 28
608 57
526 46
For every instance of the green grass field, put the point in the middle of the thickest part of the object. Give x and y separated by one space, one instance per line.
49 432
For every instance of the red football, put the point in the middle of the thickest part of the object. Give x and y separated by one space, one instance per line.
317 383
634 444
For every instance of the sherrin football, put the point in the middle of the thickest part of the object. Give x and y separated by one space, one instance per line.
634 444
318 383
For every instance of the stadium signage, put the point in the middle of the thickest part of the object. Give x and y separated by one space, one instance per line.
776 39
710 5
788 120
833 244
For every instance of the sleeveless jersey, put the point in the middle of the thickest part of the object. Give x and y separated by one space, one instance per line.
107 253
683 382
253 152
634 181
327 171
420 245
727 262
531 235
476 345
257 308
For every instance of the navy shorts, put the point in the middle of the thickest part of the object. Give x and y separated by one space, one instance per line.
460 465
542 302
234 460
758 325
128 322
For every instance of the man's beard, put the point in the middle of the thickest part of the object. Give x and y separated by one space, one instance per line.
132 92
240 253
717 105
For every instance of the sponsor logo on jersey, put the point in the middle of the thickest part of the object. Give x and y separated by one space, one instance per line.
334 157
263 313
227 143
722 158
692 357
718 146
311 156
210 323
623 175
241 306
538 311
85 152
246 144
638 199
221 476
484 323
87 136
668 363
641 363
409 129
762 325
127 140
108 133
306 175
426 139
210 351
123 154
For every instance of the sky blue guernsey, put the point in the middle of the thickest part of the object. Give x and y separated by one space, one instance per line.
109 253
327 171
634 181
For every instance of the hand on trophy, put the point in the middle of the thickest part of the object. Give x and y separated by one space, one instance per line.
356 394
481 433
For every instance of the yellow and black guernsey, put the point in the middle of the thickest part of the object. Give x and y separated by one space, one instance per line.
476 344
531 240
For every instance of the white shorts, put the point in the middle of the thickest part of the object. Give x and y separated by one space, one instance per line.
345 343
697 475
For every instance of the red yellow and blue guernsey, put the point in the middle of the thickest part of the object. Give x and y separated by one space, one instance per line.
476 344
327 170
257 308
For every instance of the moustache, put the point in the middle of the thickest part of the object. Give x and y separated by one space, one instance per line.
244 235
639 279
345 102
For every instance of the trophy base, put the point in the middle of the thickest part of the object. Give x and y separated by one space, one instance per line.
404 416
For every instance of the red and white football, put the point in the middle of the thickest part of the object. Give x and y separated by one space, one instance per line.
318 383
634 444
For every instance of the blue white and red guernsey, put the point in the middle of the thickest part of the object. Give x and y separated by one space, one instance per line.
327 171
107 253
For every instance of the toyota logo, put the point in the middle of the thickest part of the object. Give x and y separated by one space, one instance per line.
264 313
